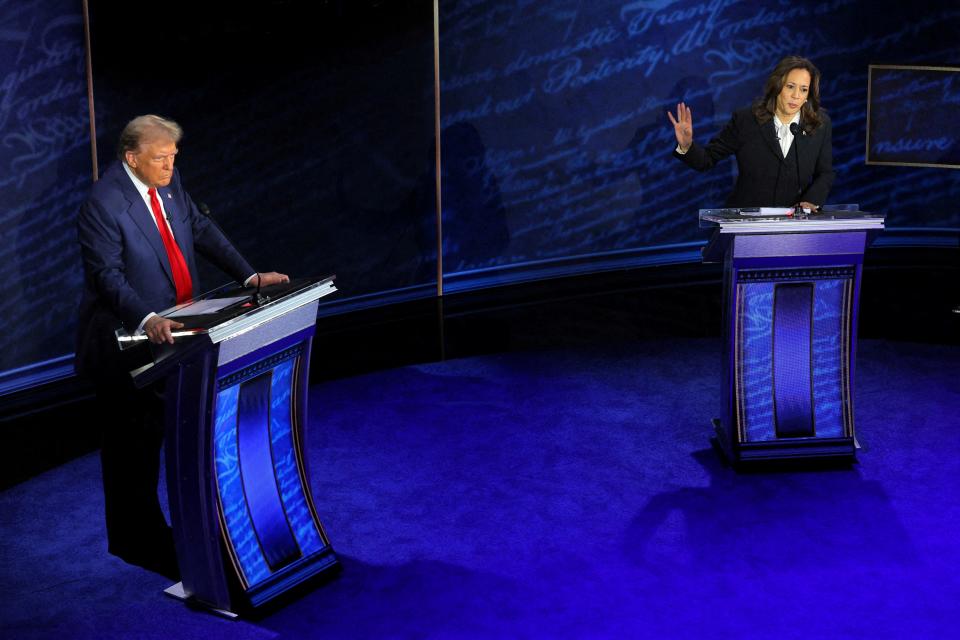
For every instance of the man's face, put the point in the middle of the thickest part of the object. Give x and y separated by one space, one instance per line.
152 162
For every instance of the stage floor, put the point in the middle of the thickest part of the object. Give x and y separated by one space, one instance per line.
558 494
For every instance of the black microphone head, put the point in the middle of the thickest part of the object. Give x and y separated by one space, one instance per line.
796 129
205 210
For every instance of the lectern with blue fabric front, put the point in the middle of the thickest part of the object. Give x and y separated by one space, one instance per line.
245 526
791 293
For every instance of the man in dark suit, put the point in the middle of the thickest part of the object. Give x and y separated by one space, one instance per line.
784 127
139 234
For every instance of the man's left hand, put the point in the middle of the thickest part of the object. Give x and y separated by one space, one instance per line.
269 278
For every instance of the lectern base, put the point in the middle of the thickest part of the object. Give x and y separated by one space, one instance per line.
839 449
176 591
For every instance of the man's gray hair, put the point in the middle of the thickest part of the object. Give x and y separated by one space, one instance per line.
146 127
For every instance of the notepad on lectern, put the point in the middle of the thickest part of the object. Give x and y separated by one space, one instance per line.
766 211
203 307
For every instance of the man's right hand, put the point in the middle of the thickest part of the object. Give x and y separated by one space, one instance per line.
683 126
160 329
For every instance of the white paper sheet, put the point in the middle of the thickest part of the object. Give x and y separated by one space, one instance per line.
205 307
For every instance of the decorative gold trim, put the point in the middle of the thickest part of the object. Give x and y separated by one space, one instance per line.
295 428
739 412
231 552
89 73
846 354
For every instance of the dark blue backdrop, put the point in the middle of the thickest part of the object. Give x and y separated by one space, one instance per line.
310 131
562 110
45 173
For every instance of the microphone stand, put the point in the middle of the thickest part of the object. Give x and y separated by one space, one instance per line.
797 132
260 300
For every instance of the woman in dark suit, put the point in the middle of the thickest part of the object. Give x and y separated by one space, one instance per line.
766 148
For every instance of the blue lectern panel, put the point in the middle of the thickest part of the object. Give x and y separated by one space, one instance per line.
267 517
287 466
810 355
233 505
259 481
792 341
756 360
829 304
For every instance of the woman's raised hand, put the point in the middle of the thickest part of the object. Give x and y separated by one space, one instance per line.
683 126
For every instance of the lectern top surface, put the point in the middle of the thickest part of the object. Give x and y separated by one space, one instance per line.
245 307
782 219
245 302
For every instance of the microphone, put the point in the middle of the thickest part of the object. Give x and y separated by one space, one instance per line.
798 131
205 210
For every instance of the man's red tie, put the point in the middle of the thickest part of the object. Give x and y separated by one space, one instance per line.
181 274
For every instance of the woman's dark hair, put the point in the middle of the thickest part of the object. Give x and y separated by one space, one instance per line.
765 108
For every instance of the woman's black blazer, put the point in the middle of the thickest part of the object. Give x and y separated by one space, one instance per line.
765 177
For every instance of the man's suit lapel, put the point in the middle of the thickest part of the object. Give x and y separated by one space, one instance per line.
143 218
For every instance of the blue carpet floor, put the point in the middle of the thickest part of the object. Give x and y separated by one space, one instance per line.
559 494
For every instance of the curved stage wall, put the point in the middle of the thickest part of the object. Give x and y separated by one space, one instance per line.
310 133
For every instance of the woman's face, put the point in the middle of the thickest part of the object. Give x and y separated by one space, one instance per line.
794 93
